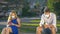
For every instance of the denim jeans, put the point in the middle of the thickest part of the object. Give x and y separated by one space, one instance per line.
46 31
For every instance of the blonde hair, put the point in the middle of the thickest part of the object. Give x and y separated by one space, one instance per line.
10 15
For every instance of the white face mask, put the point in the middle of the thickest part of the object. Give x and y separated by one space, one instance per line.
13 16
47 16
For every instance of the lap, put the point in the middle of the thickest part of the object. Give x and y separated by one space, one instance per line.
39 28
45 26
8 28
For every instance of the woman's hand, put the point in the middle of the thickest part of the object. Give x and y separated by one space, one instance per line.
15 24
12 24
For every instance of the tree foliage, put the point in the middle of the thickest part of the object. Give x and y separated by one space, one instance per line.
50 5
57 7
54 6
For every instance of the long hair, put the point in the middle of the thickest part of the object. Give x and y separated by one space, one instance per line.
10 15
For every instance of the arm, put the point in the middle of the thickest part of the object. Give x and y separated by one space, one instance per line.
8 23
9 20
42 21
54 21
19 24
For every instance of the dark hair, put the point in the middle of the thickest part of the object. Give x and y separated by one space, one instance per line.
47 10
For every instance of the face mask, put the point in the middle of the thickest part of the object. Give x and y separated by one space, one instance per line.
47 16
13 16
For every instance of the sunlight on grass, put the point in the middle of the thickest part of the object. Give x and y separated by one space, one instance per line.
34 24
35 20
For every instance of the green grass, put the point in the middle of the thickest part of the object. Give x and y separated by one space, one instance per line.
31 27
34 24
37 20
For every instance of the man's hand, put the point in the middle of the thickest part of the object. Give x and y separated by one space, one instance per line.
52 26
46 26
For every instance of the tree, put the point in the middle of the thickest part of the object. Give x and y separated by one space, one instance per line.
50 5
25 9
57 7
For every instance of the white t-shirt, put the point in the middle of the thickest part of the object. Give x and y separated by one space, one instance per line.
48 21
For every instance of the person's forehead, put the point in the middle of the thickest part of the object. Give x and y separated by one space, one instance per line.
46 12
13 13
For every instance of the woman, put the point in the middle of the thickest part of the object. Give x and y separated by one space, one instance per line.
13 24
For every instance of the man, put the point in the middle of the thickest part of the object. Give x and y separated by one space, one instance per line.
48 20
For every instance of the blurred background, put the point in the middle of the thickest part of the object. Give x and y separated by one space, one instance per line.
29 11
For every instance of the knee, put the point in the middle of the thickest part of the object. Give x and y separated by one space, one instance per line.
39 28
7 29
53 28
4 28
46 26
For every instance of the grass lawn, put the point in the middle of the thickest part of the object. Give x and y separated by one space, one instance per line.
31 26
